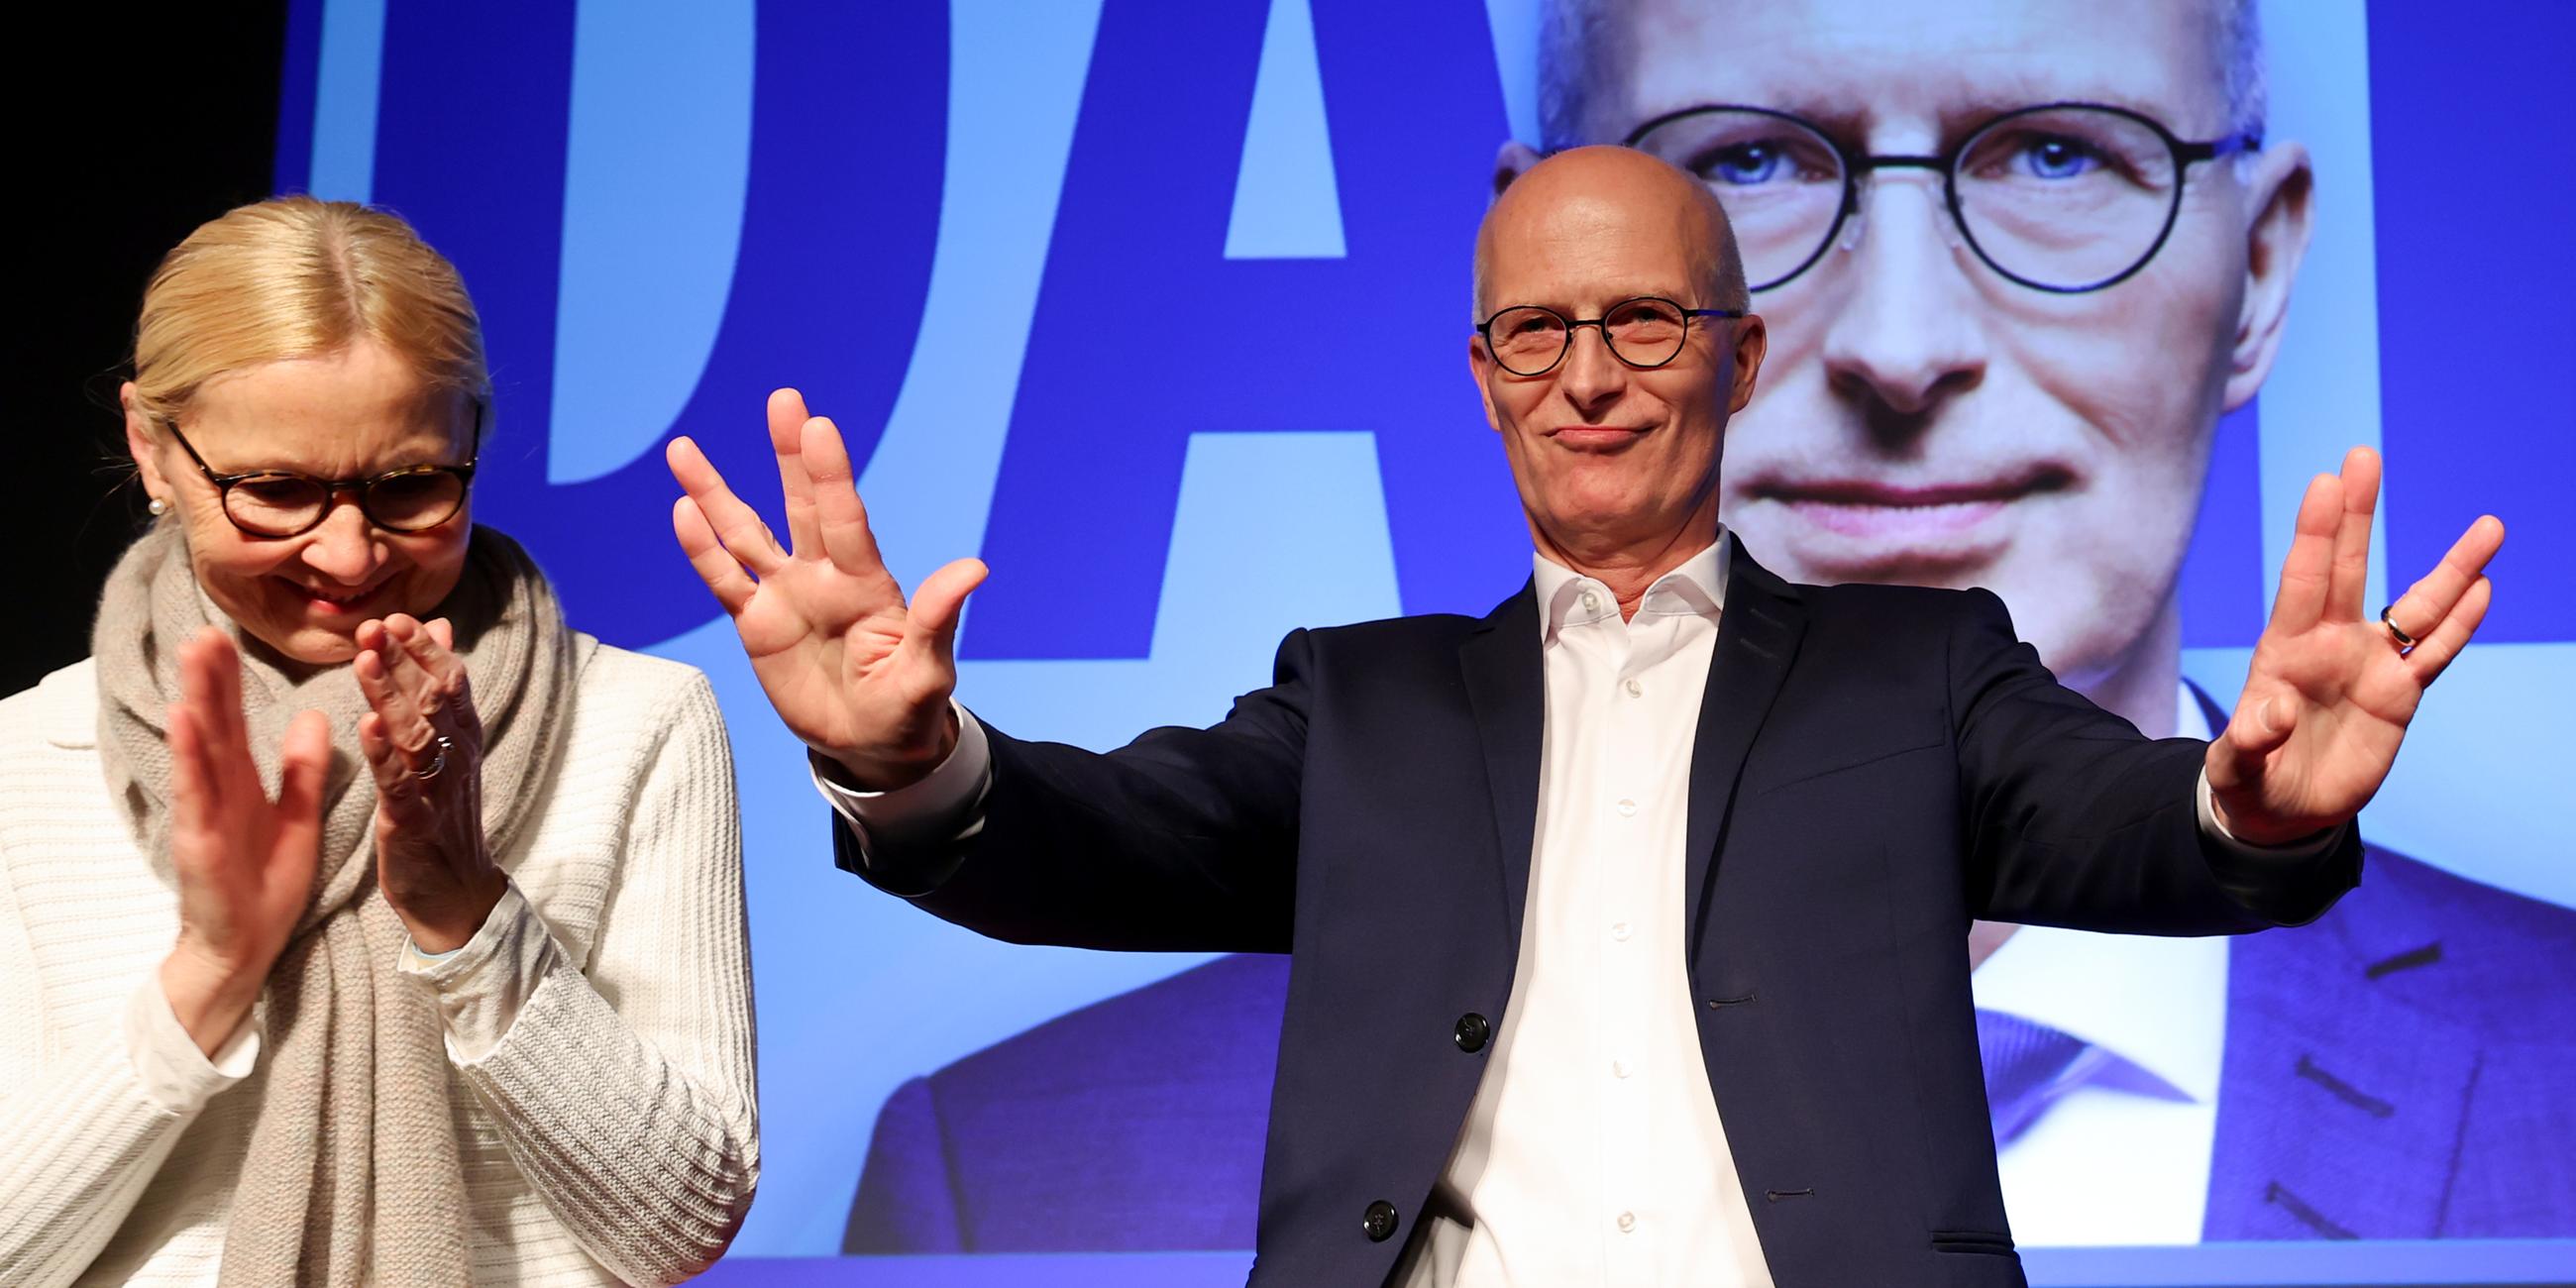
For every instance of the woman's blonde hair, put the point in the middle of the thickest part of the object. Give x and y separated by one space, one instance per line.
298 277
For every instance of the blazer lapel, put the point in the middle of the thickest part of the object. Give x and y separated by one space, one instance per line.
1757 635
1505 687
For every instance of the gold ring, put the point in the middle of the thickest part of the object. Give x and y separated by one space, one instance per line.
2405 642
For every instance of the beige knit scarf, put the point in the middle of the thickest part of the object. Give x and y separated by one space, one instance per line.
352 1173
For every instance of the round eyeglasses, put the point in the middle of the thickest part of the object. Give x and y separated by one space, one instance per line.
281 503
2062 197
1645 332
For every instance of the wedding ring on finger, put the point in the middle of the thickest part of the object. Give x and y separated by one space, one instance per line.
437 762
2396 634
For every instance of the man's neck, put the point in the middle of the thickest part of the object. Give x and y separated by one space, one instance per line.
2141 685
1629 567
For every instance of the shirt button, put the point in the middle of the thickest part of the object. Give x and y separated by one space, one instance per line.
1619 931
1627 809
1627 1222
1591 602
1636 690
1618 1068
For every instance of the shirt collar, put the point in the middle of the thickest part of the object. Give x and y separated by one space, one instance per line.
1697 587
2157 1002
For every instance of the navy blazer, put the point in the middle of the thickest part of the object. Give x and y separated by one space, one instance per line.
1874 767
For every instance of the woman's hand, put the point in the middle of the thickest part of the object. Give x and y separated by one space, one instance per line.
425 745
244 862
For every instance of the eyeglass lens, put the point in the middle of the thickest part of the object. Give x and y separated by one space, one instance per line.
2062 198
1529 340
283 505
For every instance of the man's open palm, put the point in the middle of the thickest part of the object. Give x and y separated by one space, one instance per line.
862 677
2331 689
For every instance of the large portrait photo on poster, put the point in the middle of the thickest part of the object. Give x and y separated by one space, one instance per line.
1159 307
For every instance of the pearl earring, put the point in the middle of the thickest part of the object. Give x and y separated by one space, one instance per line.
158 507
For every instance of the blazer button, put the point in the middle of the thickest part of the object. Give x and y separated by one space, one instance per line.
1473 1032
1379 1221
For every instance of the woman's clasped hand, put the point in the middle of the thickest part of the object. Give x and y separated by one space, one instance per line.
424 745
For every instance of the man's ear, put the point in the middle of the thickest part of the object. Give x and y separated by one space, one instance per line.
1513 161
1752 344
140 444
2282 193
1480 364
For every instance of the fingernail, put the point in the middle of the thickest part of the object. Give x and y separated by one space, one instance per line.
2263 715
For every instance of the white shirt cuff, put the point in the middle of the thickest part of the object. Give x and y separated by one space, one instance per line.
174 1073
941 809
482 985
2211 827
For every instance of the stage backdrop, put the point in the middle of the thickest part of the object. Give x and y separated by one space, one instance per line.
1161 307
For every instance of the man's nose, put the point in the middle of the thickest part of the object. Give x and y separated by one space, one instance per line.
344 548
1907 334
1591 377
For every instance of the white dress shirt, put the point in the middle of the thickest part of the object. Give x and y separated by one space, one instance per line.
1593 1153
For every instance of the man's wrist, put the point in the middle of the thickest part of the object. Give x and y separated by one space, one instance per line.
2233 830
861 772
2237 827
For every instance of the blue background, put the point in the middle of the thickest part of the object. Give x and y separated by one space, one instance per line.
926 218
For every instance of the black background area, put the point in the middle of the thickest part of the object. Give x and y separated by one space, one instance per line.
136 123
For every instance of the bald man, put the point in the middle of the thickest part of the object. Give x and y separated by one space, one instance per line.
1625 920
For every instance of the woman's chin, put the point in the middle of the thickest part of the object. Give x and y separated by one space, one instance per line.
311 645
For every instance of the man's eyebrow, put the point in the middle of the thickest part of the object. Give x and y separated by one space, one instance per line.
1607 295
1849 122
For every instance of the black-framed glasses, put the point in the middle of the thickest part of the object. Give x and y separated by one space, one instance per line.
282 503
1646 332
2060 197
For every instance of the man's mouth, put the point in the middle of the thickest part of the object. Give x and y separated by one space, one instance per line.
1594 438
1877 514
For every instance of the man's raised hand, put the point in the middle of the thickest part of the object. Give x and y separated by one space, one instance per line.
860 675
2331 689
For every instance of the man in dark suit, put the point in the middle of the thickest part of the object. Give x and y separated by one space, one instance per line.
2144 1090
1625 921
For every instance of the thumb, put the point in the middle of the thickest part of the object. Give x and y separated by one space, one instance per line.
2258 728
938 604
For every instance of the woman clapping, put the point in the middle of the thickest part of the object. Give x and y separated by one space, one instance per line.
360 921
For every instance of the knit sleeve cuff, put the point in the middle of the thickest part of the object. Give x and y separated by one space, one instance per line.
482 986
178 1077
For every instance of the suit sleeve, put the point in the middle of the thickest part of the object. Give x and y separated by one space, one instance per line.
1183 840
2075 819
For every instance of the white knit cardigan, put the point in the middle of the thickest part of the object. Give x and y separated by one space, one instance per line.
598 1028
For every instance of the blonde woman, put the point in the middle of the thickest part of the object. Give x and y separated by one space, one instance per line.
360 922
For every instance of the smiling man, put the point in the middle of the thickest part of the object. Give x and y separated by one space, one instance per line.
2015 268
1624 921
